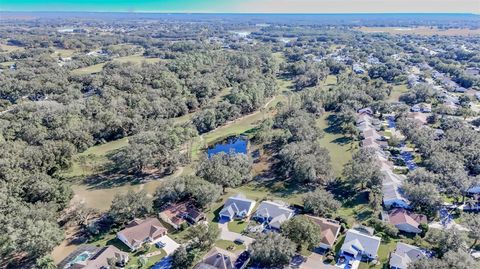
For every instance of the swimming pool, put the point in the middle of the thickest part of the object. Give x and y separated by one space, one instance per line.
80 258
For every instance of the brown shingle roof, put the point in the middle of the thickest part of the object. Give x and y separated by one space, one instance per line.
400 216
138 231
329 228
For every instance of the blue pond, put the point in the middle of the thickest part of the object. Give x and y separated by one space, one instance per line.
233 144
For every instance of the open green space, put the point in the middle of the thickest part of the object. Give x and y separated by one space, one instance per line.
110 239
396 92
6 64
340 147
135 59
237 226
229 245
9 48
64 52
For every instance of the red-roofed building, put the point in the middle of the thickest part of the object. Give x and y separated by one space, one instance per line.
406 221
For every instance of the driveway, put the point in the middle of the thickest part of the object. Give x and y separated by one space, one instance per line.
225 234
170 245
314 261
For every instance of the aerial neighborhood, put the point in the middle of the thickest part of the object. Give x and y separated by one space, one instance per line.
231 141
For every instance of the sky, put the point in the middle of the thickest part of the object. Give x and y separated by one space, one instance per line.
248 6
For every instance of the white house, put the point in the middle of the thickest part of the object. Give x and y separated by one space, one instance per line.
273 214
405 254
360 245
236 207
392 193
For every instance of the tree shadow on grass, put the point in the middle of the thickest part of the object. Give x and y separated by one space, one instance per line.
333 127
342 140
106 181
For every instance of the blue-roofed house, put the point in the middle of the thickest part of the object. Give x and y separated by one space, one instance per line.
236 207
273 214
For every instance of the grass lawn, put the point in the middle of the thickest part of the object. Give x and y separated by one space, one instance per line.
237 226
93 158
396 92
136 59
230 246
330 80
383 256
89 69
339 147
110 239
6 64
355 209
63 52
9 48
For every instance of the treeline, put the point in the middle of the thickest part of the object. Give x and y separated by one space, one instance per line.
67 114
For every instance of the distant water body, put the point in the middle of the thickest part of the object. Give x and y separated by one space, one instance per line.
363 19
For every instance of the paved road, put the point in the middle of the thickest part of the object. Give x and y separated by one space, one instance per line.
225 234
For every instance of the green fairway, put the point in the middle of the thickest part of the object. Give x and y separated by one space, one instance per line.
9 48
135 59
337 144
90 161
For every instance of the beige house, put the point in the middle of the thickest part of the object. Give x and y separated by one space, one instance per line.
139 232
330 230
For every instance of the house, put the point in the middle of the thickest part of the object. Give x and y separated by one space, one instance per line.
371 133
405 254
139 232
330 230
367 111
217 258
406 221
236 207
90 257
358 69
273 214
179 213
364 118
392 193
370 143
418 117
360 244
365 125
416 108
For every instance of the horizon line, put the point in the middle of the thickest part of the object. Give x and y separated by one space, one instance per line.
235 13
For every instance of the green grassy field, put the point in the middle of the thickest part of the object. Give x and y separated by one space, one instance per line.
6 64
136 59
94 158
110 239
63 52
396 92
8 48
339 147
229 245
